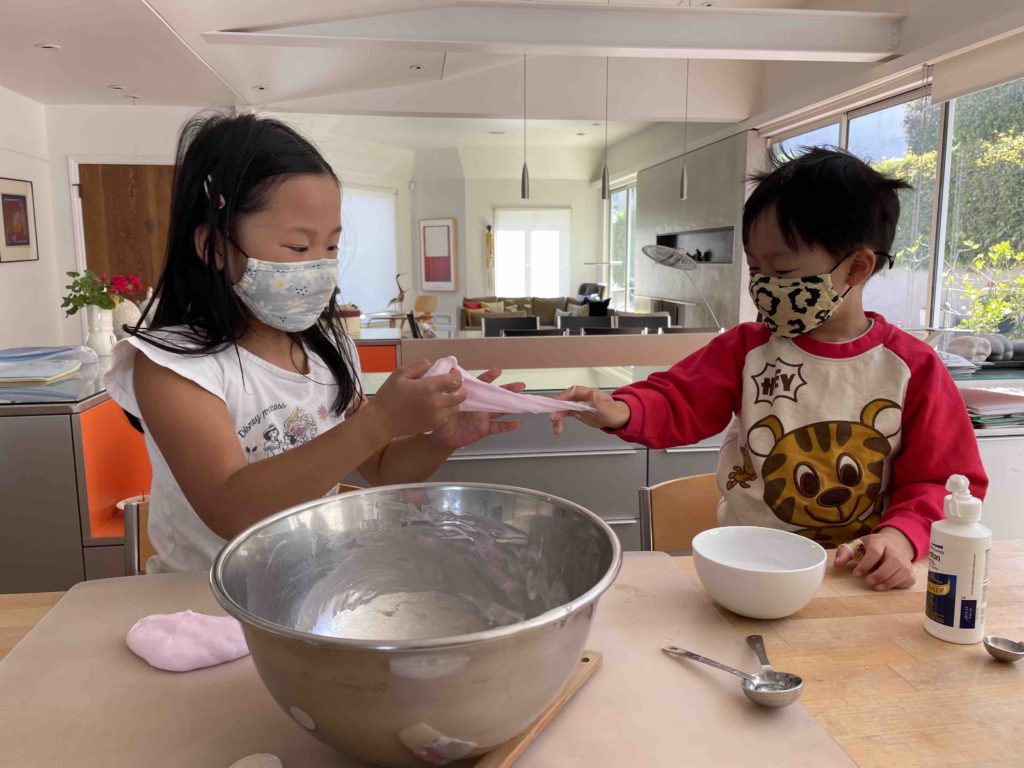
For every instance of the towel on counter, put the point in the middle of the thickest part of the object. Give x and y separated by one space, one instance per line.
181 642
490 398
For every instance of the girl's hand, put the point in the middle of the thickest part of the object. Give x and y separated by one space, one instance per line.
412 405
609 412
887 561
462 429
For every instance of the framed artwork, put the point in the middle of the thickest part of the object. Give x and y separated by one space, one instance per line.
17 222
438 255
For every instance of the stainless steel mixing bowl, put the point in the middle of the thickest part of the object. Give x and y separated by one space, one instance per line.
411 625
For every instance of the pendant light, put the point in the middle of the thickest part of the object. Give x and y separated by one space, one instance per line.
605 181
684 182
525 180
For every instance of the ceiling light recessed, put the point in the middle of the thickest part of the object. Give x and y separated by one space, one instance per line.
48 46
260 87
596 125
496 133
115 88
416 66
580 133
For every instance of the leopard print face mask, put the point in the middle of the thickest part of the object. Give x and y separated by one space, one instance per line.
791 306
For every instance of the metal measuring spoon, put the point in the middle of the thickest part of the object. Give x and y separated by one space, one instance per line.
1002 649
777 689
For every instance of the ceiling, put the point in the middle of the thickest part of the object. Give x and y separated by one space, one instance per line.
450 132
156 51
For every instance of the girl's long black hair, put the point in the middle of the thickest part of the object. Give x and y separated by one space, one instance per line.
226 166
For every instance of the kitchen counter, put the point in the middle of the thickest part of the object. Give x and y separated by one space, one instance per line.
888 693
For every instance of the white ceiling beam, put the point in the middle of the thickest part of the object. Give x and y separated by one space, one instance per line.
619 31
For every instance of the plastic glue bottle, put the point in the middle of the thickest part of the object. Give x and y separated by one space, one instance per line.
958 561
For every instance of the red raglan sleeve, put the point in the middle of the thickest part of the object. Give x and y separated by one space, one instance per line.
695 398
938 441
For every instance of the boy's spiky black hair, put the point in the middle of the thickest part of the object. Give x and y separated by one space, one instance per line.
829 198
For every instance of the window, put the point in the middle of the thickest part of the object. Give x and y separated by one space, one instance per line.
983 258
532 251
367 252
902 140
826 136
622 247
968 271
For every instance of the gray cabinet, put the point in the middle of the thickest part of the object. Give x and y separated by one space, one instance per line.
697 459
41 543
605 482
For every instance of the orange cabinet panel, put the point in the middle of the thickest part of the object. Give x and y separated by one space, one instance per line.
378 359
116 467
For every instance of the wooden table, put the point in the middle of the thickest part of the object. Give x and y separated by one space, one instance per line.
890 694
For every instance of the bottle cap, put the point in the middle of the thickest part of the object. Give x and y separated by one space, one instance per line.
959 504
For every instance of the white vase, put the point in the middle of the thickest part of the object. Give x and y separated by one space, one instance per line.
125 313
101 337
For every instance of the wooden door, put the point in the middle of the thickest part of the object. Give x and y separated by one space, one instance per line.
125 212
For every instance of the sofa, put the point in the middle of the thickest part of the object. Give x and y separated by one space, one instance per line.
543 308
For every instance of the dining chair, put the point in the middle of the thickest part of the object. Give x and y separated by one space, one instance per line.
614 331
575 323
523 332
493 326
673 512
651 322
137 546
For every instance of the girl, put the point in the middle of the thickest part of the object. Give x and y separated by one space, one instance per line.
246 390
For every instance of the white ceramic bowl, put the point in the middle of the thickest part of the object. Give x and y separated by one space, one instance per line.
762 573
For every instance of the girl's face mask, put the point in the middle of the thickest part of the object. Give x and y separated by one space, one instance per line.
287 296
791 306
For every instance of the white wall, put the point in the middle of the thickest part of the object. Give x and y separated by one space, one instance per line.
128 134
362 163
470 182
134 134
29 291
653 145
484 195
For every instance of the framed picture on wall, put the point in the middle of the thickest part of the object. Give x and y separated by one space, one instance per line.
17 221
438 254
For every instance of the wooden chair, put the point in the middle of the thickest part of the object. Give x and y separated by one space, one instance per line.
137 546
673 512
424 308
344 488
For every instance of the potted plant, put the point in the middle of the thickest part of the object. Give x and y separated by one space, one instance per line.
99 297
126 311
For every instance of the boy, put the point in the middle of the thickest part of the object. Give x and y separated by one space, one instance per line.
842 428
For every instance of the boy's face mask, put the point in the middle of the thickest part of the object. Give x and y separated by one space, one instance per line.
287 296
791 306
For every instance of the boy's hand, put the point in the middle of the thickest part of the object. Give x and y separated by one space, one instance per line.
887 561
609 413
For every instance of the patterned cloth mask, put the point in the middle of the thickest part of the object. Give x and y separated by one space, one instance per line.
287 296
791 306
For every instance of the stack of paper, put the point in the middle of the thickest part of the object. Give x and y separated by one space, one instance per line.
83 354
958 367
37 372
995 407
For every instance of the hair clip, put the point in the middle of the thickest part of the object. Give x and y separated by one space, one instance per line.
206 188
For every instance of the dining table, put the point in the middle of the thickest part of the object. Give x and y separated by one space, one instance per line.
878 690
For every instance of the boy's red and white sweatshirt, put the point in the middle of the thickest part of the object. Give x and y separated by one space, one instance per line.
832 441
